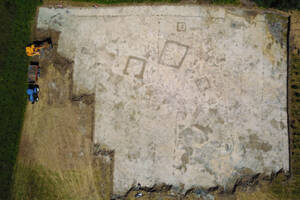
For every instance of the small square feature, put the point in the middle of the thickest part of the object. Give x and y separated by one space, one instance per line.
202 84
173 54
135 66
181 27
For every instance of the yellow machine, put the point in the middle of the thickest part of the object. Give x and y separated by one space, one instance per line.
36 47
32 50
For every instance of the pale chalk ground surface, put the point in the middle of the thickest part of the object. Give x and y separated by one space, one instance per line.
185 95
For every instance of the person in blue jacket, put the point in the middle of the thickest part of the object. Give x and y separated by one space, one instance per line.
33 93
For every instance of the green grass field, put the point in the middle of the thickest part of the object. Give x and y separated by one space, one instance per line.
35 182
16 17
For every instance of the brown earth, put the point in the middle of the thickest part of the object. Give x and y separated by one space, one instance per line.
57 131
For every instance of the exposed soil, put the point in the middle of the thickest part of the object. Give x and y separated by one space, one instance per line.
249 186
58 135
57 132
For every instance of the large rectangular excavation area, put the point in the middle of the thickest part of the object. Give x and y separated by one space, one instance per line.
190 96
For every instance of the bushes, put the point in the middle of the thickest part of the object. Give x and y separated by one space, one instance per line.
279 4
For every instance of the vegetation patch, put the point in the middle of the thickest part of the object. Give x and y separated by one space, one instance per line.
16 17
279 4
35 182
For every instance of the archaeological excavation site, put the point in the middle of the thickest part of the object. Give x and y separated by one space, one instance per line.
174 97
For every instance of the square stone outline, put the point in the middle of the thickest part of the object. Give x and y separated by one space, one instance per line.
178 25
141 74
197 81
182 59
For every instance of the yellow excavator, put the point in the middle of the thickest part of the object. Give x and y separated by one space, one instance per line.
37 47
